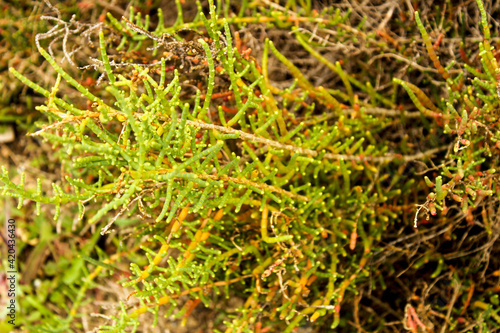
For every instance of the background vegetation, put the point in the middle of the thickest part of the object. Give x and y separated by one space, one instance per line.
252 166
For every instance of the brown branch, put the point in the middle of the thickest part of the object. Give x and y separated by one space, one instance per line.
381 159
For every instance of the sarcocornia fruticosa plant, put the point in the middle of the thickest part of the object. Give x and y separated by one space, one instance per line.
194 175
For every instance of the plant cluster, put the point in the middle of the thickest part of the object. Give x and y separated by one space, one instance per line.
471 168
196 173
